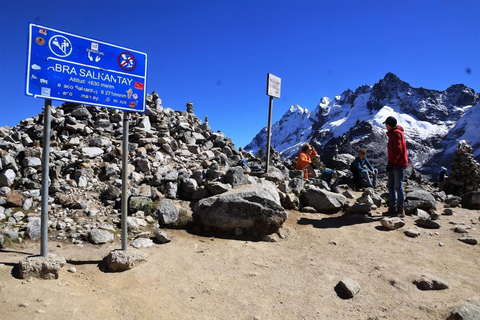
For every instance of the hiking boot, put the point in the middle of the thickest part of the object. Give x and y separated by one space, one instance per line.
400 212
390 212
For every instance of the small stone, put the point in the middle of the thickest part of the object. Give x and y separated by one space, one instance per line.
467 311
392 223
469 239
72 270
349 287
428 223
24 304
161 236
412 233
460 230
430 283
142 243
448 212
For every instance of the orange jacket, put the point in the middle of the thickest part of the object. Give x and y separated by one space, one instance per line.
305 158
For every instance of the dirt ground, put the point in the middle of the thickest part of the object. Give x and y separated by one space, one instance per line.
204 277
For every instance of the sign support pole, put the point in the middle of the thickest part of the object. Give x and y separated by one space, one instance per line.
45 175
269 131
126 117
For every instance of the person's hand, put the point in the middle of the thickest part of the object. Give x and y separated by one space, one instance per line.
389 166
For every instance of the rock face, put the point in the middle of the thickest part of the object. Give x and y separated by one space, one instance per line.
251 207
41 267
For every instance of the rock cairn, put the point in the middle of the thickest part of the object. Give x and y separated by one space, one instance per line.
465 174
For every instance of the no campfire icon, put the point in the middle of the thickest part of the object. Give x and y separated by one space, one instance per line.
127 61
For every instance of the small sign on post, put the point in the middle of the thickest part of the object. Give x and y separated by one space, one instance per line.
273 91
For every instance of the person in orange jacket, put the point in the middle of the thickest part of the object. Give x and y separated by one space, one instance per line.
304 160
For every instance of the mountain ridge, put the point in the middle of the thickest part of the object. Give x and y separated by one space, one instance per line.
434 121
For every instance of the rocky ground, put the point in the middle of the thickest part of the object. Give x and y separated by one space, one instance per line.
205 276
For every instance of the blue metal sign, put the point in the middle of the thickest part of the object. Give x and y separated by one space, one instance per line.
68 67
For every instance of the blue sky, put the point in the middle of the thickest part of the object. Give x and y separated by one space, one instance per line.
217 53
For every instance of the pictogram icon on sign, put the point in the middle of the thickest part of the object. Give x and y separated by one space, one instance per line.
60 46
127 61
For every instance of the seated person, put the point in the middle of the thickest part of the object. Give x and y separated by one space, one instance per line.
362 168
304 160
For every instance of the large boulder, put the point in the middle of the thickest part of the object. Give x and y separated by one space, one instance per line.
419 199
249 207
323 200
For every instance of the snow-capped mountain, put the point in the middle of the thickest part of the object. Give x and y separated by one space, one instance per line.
433 120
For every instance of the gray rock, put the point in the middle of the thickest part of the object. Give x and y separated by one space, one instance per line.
471 200
112 170
419 199
427 223
308 209
92 152
32 162
448 212
166 211
171 176
422 214
98 236
142 243
189 185
358 208
111 192
468 311
81 113
41 267
392 223
349 287
162 236
235 176
2 241
412 233
459 229
469 239
430 283
216 187
297 185
348 194
34 229
121 260
250 207
322 200
7 178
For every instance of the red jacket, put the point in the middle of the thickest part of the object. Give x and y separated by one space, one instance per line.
305 158
397 148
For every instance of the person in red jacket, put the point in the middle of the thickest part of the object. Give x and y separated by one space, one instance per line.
304 160
397 162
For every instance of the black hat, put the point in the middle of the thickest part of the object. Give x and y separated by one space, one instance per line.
391 121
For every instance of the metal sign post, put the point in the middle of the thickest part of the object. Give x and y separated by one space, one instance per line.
125 181
273 90
73 68
47 115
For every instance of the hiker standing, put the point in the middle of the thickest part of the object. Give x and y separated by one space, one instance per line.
397 162
304 160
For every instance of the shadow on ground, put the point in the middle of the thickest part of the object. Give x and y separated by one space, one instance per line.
338 222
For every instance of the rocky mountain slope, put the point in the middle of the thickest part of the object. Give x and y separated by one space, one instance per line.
434 122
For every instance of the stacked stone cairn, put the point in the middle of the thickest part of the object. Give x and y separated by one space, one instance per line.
464 179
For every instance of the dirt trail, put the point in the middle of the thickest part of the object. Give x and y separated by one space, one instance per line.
199 277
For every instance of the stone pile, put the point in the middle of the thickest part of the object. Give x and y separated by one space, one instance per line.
465 174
